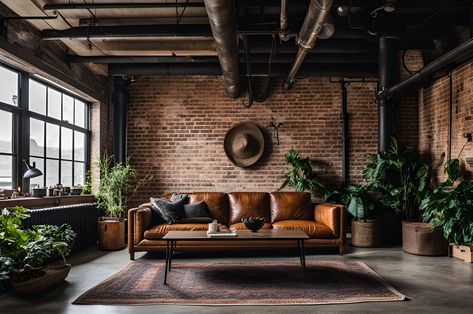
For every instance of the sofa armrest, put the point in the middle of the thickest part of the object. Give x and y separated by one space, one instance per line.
331 215
139 220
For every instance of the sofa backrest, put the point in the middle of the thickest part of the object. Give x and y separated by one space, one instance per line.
290 206
217 204
248 204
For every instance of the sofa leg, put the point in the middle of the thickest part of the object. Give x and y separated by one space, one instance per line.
132 256
342 249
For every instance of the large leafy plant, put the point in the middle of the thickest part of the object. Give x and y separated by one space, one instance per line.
301 177
450 206
115 186
356 198
401 176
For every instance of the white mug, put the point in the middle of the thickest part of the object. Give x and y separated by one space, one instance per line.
213 227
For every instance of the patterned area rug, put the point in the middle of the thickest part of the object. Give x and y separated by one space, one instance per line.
252 283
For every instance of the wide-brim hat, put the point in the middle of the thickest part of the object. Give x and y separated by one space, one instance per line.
244 144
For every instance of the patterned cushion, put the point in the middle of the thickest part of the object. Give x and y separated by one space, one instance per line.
170 211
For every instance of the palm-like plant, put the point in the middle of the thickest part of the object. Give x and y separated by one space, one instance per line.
115 186
301 177
401 176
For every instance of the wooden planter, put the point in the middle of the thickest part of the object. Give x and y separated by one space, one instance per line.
365 233
463 252
111 234
418 238
34 281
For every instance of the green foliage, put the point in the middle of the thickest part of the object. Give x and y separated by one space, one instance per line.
400 175
35 246
356 198
87 188
301 177
115 186
450 206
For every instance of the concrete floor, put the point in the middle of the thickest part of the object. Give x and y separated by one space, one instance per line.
433 284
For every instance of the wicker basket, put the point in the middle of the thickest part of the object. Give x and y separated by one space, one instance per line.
48 277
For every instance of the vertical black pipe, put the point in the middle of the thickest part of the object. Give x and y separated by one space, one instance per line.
345 133
388 76
450 116
120 102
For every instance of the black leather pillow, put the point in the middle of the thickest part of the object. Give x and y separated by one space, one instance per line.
196 210
170 211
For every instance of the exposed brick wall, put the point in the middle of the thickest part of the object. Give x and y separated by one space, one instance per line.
176 127
434 119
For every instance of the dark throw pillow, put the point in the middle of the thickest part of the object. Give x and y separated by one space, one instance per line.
170 211
196 210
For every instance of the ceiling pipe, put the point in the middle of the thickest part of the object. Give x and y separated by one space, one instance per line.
283 31
313 23
221 18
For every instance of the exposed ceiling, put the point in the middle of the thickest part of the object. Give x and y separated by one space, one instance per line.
170 36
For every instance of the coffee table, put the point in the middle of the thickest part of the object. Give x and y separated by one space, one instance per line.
172 237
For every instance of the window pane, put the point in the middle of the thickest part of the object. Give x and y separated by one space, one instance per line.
52 172
66 143
80 113
54 103
68 109
37 182
6 166
79 173
66 173
79 146
9 83
6 132
37 97
52 140
36 137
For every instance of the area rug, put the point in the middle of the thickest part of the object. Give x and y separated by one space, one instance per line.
251 283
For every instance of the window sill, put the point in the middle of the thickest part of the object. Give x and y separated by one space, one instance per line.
35 202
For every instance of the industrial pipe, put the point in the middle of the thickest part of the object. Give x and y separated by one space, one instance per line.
314 21
221 18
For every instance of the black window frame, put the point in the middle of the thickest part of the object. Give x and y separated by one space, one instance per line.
21 129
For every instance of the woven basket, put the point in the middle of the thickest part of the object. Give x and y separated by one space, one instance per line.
50 276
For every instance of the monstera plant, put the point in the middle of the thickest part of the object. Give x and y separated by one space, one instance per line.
301 177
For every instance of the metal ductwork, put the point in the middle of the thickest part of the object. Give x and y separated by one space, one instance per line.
221 18
314 21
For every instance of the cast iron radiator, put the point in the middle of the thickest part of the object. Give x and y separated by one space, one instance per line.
81 217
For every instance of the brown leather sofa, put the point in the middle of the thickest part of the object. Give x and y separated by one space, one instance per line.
323 223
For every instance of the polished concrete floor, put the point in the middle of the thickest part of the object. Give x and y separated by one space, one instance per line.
432 284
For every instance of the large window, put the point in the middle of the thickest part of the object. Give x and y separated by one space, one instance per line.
45 125
9 81
58 135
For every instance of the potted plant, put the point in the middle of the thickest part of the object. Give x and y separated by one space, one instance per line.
77 190
402 178
114 189
449 208
365 231
25 252
301 177
87 188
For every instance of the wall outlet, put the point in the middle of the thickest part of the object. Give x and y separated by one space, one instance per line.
469 160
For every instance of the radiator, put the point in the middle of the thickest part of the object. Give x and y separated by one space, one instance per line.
81 217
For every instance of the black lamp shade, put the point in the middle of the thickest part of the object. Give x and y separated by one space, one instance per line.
32 171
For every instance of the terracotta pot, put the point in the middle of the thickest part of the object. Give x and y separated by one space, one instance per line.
365 233
111 234
418 238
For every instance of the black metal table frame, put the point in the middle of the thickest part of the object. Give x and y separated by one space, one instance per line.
171 245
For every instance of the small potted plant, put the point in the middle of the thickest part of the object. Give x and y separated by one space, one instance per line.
449 208
114 189
77 190
87 188
301 177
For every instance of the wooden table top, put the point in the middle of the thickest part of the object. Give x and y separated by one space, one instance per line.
264 234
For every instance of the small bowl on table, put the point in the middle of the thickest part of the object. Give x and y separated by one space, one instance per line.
253 223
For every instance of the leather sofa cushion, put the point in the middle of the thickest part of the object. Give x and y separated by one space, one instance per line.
291 206
248 204
217 204
329 214
241 226
311 228
159 231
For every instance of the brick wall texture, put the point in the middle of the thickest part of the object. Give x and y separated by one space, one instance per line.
177 124
434 106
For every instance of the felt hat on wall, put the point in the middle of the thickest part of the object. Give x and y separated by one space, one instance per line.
244 144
